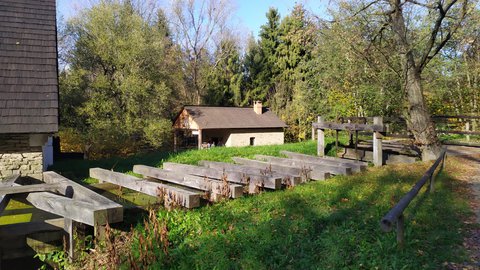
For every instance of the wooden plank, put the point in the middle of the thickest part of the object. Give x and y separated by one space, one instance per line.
30 188
9 182
349 126
333 169
288 180
80 193
232 176
305 173
356 166
183 197
201 183
79 211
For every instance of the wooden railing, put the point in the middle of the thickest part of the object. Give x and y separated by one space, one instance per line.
395 215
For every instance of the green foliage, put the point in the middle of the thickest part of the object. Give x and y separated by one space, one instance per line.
225 78
119 83
57 257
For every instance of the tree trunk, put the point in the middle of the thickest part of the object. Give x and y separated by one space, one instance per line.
419 121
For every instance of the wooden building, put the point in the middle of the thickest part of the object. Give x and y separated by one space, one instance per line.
203 127
28 85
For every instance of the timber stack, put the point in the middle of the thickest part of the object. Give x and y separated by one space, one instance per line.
190 185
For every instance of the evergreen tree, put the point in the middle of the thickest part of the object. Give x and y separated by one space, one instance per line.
261 60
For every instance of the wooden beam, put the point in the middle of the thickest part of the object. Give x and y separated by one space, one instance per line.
79 211
333 169
288 180
349 126
232 176
201 183
356 166
9 182
320 139
183 197
305 173
78 192
377 143
30 188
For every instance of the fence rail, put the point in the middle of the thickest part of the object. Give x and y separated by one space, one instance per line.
395 215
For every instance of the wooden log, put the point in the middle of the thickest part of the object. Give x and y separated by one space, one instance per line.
79 211
332 169
356 166
30 188
349 126
288 180
80 193
183 197
305 173
5 199
232 176
201 183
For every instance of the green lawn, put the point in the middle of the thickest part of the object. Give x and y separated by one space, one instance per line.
331 224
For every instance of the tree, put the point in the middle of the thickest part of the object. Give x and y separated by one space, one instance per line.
117 89
420 30
198 25
224 81
261 60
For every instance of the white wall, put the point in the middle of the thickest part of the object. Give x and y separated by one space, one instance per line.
262 137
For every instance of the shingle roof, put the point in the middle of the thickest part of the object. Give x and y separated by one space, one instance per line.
233 117
28 67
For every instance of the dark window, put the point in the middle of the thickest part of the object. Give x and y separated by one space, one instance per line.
252 140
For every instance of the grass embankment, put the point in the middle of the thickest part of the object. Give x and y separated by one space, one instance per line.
330 224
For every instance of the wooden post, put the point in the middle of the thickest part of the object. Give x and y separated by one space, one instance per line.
313 133
69 228
432 182
336 142
320 140
401 231
175 141
200 139
356 145
467 128
377 143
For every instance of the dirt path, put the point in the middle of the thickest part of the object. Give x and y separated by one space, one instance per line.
471 159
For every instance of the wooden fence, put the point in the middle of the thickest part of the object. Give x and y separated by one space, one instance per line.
395 215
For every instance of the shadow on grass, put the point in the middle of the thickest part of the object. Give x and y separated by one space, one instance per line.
77 170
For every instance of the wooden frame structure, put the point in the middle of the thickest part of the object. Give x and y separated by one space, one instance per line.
377 128
60 196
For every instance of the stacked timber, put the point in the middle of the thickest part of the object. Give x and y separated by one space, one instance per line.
287 179
251 180
211 180
305 173
356 166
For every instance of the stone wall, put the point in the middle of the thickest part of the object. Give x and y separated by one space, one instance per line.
20 154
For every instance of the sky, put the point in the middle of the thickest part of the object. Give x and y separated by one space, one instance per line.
250 14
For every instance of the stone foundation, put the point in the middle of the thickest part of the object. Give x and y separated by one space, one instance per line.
21 154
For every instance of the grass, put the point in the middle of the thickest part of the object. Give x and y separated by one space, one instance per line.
322 225
330 224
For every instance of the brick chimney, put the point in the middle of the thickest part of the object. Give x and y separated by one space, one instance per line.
257 107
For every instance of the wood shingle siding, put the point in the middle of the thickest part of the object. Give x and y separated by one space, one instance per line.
28 67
